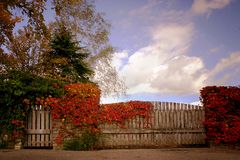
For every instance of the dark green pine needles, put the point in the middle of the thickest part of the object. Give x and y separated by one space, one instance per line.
68 60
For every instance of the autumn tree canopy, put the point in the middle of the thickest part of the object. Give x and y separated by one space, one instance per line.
28 48
67 58
26 52
79 16
33 10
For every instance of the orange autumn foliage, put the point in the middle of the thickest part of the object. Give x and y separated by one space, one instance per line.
81 108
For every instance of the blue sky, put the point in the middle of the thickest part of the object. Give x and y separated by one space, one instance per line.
167 50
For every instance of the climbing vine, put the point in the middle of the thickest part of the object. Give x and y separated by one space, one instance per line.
79 109
118 113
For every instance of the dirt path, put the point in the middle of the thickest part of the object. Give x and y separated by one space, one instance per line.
131 154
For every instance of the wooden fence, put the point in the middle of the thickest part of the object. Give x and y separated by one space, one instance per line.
172 124
38 128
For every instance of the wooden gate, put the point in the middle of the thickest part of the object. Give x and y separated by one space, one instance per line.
38 128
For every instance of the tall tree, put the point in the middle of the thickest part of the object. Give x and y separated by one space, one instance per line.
107 78
79 16
67 59
89 26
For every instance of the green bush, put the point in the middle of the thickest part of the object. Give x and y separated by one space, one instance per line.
3 144
19 91
88 141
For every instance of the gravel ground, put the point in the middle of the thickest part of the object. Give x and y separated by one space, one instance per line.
123 154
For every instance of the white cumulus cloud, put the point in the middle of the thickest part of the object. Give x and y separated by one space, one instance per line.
205 6
163 66
118 58
225 70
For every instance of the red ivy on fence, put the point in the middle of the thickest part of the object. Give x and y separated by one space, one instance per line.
222 114
118 113
80 107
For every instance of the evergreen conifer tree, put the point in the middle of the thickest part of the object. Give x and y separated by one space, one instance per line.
67 59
